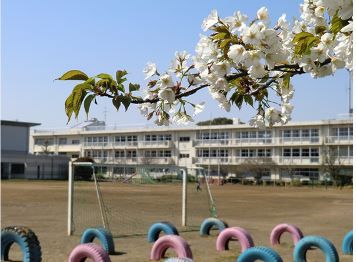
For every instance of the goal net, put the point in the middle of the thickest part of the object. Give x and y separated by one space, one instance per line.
130 198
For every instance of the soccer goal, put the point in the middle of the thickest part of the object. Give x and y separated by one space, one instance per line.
130 198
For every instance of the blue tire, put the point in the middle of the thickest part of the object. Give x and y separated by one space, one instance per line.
157 228
209 223
25 238
347 244
104 236
301 248
259 253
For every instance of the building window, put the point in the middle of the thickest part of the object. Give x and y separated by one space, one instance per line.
39 141
343 131
314 132
261 134
260 152
244 134
17 168
268 152
295 152
76 142
132 153
184 139
120 139
295 133
42 141
264 152
119 154
62 141
253 134
131 138
183 155
305 152
305 133
287 152
244 152
167 153
286 133
343 151
252 153
75 156
205 153
314 152
223 153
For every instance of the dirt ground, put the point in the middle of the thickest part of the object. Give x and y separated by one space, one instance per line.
42 206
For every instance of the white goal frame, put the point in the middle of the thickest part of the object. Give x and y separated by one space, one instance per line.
71 165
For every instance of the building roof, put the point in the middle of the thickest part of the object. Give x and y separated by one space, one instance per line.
151 128
18 123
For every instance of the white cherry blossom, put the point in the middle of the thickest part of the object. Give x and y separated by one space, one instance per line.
210 21
150 70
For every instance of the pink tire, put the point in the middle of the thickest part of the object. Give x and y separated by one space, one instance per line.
280 229
179 245
89 250
238 233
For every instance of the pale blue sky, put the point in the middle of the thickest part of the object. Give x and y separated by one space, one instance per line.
42 39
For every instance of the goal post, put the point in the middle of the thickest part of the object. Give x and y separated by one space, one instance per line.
70 199
71 195
112 200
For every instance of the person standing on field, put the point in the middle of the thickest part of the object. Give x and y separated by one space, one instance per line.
198 188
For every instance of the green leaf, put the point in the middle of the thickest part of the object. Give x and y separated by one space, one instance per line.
224 43
79 92
219 36
120 76
126 101
68 105
120 99
90 81
337 23
152 83
75 99
237 98
133 87
320 29
248 99
116 102
73 75
87 103
121 88
286 80
221 29
104 76
301 36
304 41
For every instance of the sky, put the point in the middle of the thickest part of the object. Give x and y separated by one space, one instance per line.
40 40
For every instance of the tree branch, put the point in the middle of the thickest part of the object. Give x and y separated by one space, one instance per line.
281 68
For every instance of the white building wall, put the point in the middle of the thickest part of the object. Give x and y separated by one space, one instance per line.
233 141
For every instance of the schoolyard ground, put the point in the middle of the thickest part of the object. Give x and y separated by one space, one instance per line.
42 206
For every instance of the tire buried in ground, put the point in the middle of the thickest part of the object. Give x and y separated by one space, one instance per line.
25 238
